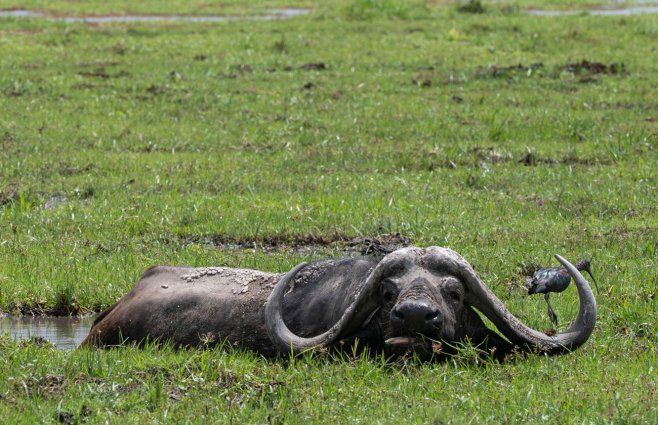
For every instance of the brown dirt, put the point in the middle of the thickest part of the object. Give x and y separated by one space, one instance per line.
128 387
364 245
103 74
532 159
72 170
97 63
8 195
62 307
592 68
243 68
65 417
508 71
422 80
314 66
46 387
98 73
491 155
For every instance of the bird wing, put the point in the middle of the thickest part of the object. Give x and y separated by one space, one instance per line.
545 279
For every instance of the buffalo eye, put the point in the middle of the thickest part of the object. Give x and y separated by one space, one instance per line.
452 293
389 290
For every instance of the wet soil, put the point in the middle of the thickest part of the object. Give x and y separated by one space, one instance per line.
504 71
363 245
8 195
587 67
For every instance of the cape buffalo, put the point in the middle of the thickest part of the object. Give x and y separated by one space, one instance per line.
412 298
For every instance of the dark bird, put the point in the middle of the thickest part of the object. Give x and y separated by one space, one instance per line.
555 279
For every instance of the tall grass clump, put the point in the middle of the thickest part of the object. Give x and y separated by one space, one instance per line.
373 9
472 6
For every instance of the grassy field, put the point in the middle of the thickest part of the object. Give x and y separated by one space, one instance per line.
506 137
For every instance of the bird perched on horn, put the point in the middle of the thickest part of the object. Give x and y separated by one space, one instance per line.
555 279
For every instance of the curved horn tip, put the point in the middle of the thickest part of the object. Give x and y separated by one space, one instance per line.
562 260
520 334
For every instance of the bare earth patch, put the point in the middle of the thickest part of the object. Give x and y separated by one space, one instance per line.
364 245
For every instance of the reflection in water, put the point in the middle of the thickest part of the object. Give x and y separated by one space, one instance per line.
618 9
100 19
65 333
624 11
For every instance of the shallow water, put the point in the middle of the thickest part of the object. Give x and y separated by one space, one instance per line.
65 333
643 7
272 14
622 11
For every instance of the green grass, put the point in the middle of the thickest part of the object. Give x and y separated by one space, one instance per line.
160 135
143 386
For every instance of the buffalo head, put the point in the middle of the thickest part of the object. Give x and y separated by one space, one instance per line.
429 293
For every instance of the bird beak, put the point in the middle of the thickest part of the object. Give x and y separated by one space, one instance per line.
596 285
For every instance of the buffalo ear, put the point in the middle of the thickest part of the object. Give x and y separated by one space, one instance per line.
326 289
341 292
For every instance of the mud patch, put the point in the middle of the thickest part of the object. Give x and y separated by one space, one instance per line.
314 66
585 67
45 387
635 330
584 70
103 74
9 195
97 63
480 156
74 170
363 245
496 71
531 159
378 245
491 155
422 80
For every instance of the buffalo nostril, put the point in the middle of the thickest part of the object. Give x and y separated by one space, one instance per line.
432 316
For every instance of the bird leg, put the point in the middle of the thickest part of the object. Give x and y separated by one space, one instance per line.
551 313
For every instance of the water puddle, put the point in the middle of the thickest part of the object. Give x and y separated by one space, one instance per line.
601 11
65 333
643 7
273 14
